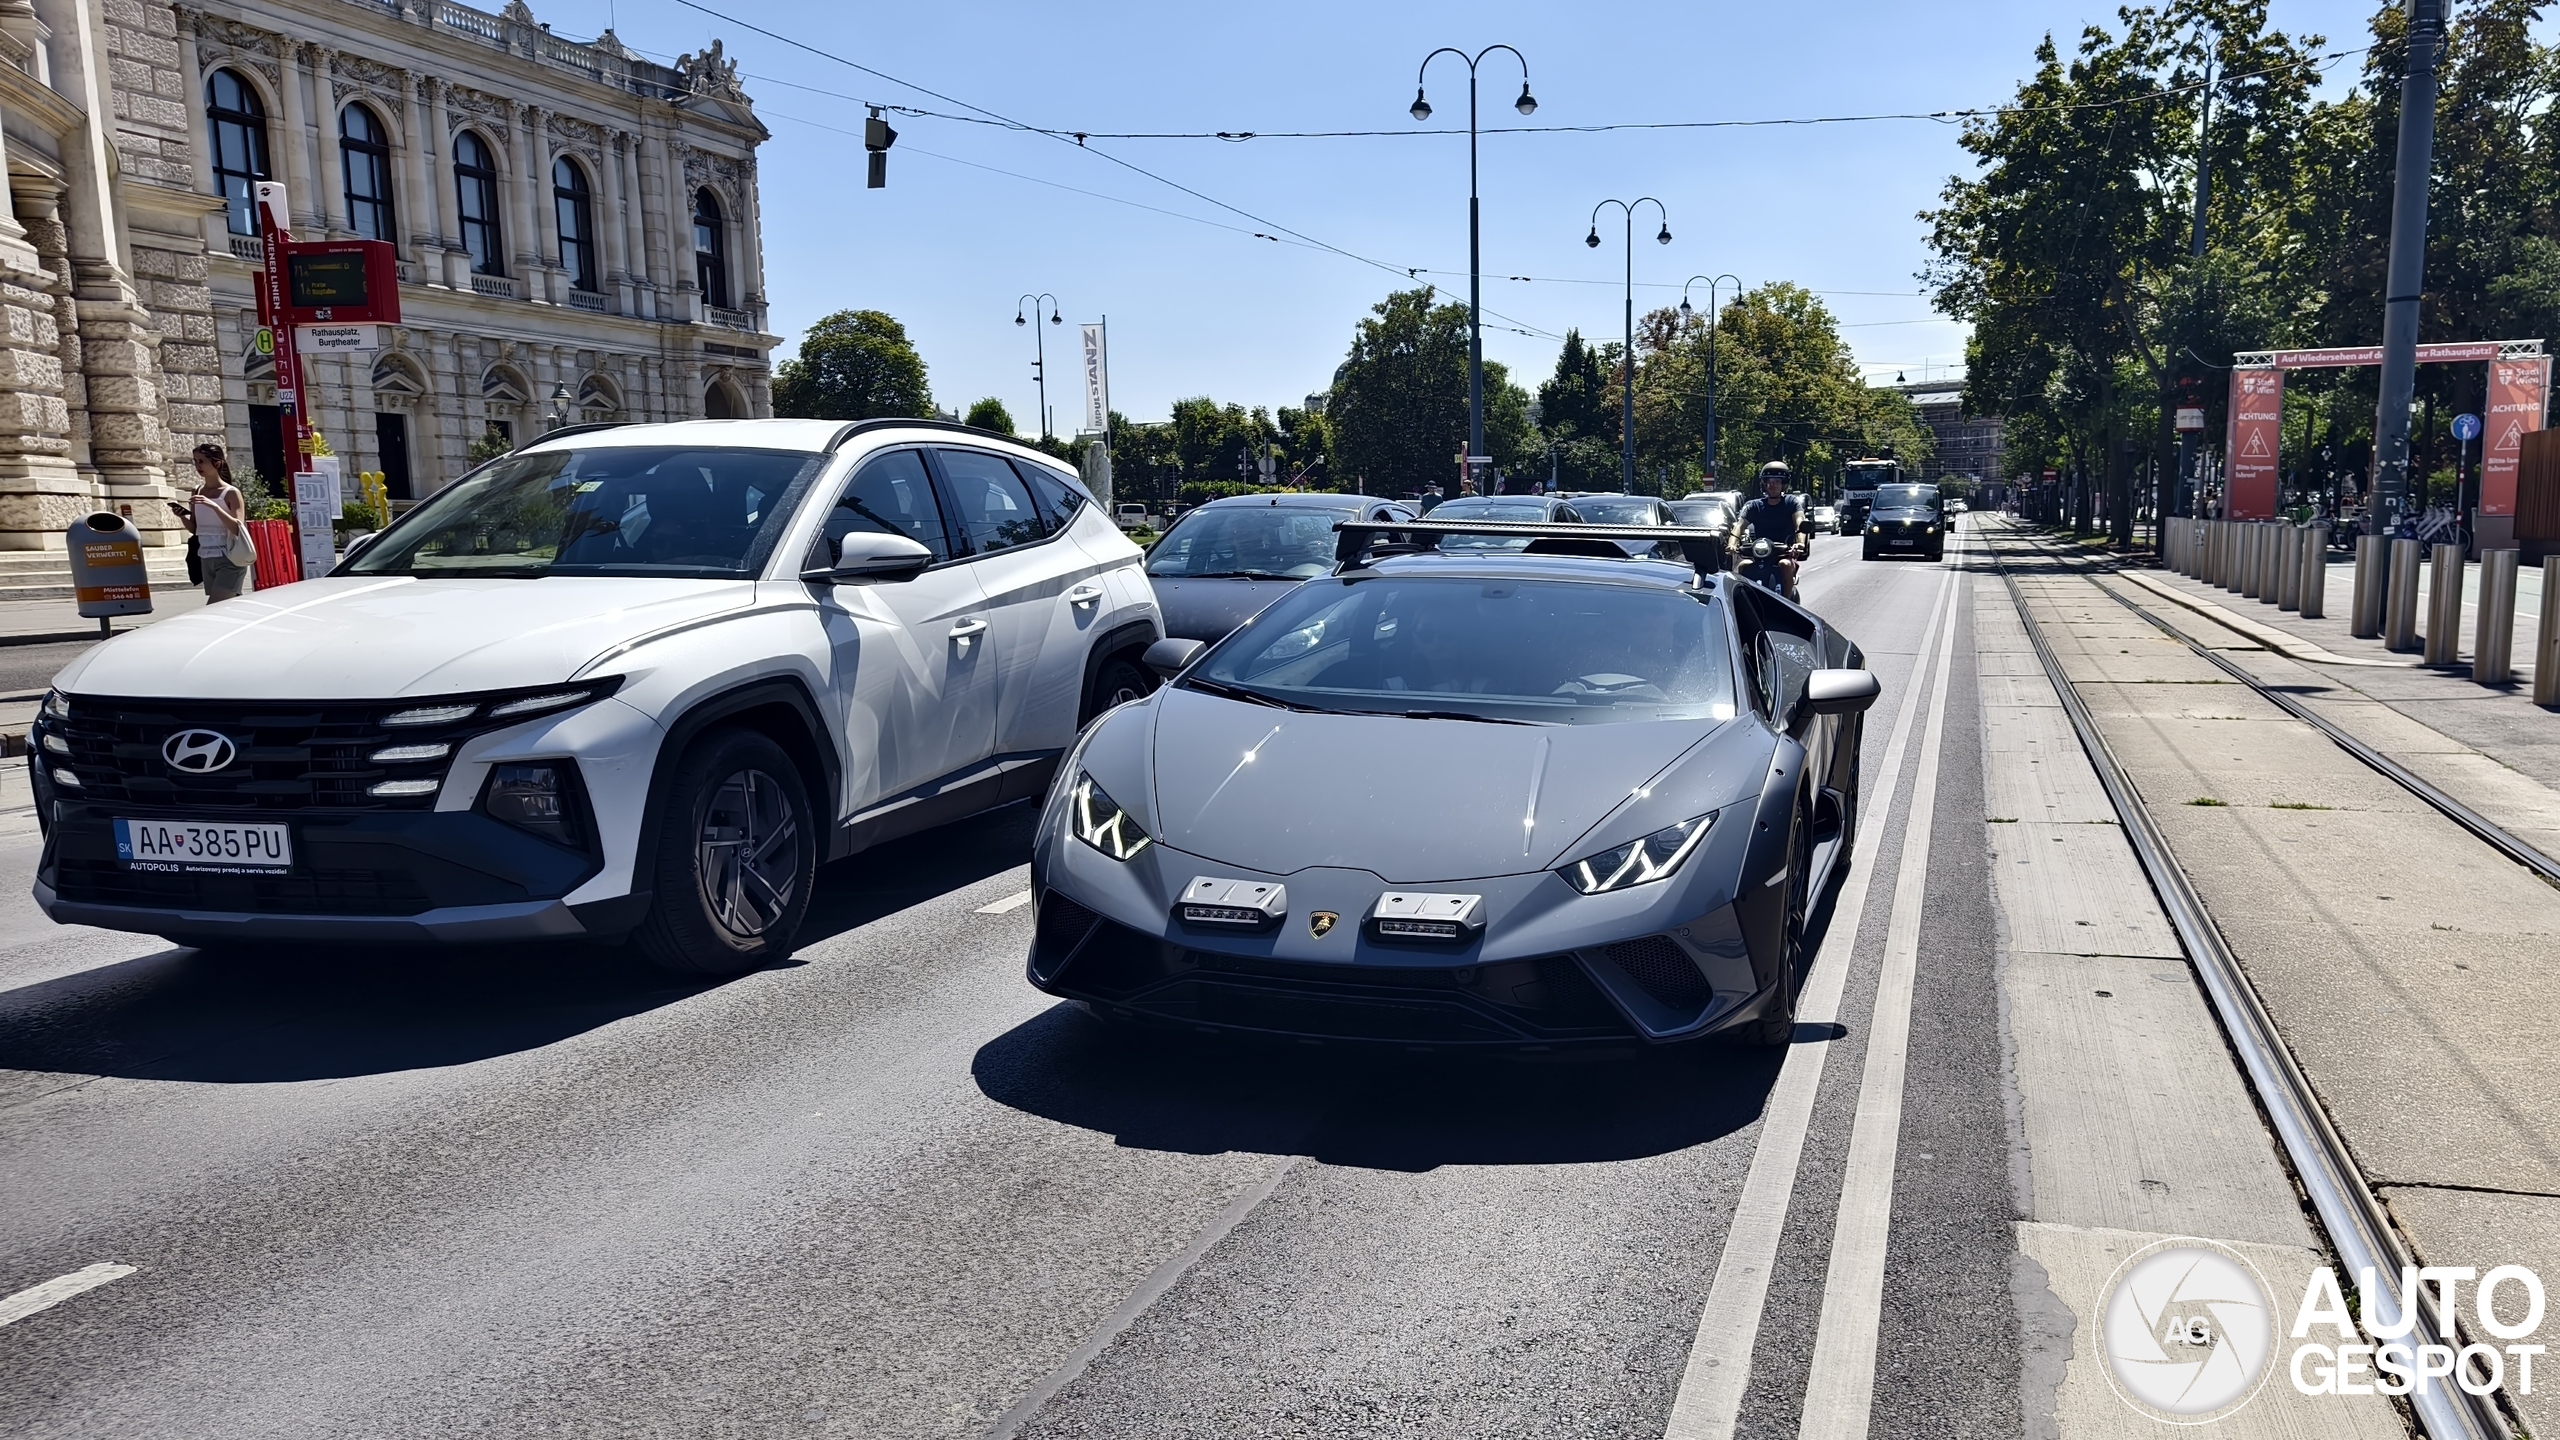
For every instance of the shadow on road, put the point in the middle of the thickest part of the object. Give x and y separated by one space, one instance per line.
327 1014
1378 1110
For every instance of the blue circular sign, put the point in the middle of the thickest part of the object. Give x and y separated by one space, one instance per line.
2466 428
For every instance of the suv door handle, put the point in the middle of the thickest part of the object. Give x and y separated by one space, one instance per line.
969 629
1084 594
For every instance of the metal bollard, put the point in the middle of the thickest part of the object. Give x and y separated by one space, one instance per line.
2289 567
2233 532
2314 586
2268 534
2400 605
2212 553
2546 645
2364 612
2490 653
2253 538
2444 605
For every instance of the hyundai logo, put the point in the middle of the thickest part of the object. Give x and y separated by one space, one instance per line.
199 752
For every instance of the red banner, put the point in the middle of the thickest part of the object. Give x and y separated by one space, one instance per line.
2516 388
2256 439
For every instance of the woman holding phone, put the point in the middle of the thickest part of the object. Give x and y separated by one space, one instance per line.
218 519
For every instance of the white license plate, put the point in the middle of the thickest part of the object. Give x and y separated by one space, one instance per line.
1904 540
198 845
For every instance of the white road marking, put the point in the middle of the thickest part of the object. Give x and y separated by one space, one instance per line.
53 1292
1007 905
1840 1391
1710 1397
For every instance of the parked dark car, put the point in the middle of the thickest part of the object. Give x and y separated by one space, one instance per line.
1222 562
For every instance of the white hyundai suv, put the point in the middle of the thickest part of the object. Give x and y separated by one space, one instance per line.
627 681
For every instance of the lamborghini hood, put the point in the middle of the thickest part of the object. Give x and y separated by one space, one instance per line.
1412 801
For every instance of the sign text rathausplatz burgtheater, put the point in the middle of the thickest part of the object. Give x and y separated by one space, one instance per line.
2519 378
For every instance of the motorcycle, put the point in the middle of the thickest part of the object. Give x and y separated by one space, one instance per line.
1760 566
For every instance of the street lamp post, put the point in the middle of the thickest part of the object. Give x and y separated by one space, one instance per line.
1526 105
1039 348
1714 313
1627 416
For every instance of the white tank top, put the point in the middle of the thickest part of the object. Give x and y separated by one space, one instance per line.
213 530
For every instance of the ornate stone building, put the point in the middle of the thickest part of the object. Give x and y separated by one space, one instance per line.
577 228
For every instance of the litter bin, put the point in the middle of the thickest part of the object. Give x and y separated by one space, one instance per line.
107 573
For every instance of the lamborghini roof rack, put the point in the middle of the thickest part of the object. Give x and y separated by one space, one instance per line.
1703 548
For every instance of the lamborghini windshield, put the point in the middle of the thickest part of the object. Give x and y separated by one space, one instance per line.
1508 651
681 511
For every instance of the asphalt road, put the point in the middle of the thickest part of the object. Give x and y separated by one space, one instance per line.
888 1190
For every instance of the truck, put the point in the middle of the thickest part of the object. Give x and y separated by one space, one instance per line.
1858 482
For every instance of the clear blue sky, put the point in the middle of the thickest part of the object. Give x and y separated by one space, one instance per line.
1199 309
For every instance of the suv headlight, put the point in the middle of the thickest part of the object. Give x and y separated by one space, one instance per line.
1099 821
1638 862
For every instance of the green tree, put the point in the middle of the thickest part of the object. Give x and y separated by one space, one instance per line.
1787 389
853 365
1398 416
990 414
1578 399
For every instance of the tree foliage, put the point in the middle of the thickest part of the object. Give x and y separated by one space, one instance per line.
1398 415
1787 388
2069 247
853 365
990 414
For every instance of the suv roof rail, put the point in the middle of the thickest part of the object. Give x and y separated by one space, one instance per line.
852 428
579 429
1703 548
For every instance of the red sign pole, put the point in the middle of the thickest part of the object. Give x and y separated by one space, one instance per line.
277 315
2256 443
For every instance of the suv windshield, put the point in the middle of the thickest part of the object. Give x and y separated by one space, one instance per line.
684 511
1258 542
1906 497
1516 651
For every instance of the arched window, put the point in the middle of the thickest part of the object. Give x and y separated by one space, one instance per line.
365 149
239 124
710 249
577 210
475 187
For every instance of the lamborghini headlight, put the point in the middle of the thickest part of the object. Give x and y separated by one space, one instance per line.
1099 821
1638 862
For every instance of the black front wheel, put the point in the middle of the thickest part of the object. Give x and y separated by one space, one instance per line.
1117 681
736 856
1776 1025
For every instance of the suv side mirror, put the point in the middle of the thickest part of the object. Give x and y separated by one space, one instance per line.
1840 692
1168 657
870 555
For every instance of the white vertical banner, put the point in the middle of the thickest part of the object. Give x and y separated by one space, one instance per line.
1097 382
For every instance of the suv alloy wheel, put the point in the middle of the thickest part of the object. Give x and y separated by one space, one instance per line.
736 857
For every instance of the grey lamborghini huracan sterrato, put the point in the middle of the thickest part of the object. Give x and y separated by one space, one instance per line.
1520 799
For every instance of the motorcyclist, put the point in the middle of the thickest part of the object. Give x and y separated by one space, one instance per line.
1775 517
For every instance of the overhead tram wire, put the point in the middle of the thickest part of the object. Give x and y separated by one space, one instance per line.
1514 329
1008 122
1079 137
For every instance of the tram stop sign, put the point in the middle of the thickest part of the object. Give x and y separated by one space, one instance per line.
2466 428
107 574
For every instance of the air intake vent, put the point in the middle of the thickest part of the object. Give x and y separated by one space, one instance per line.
1663 969
1063 926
